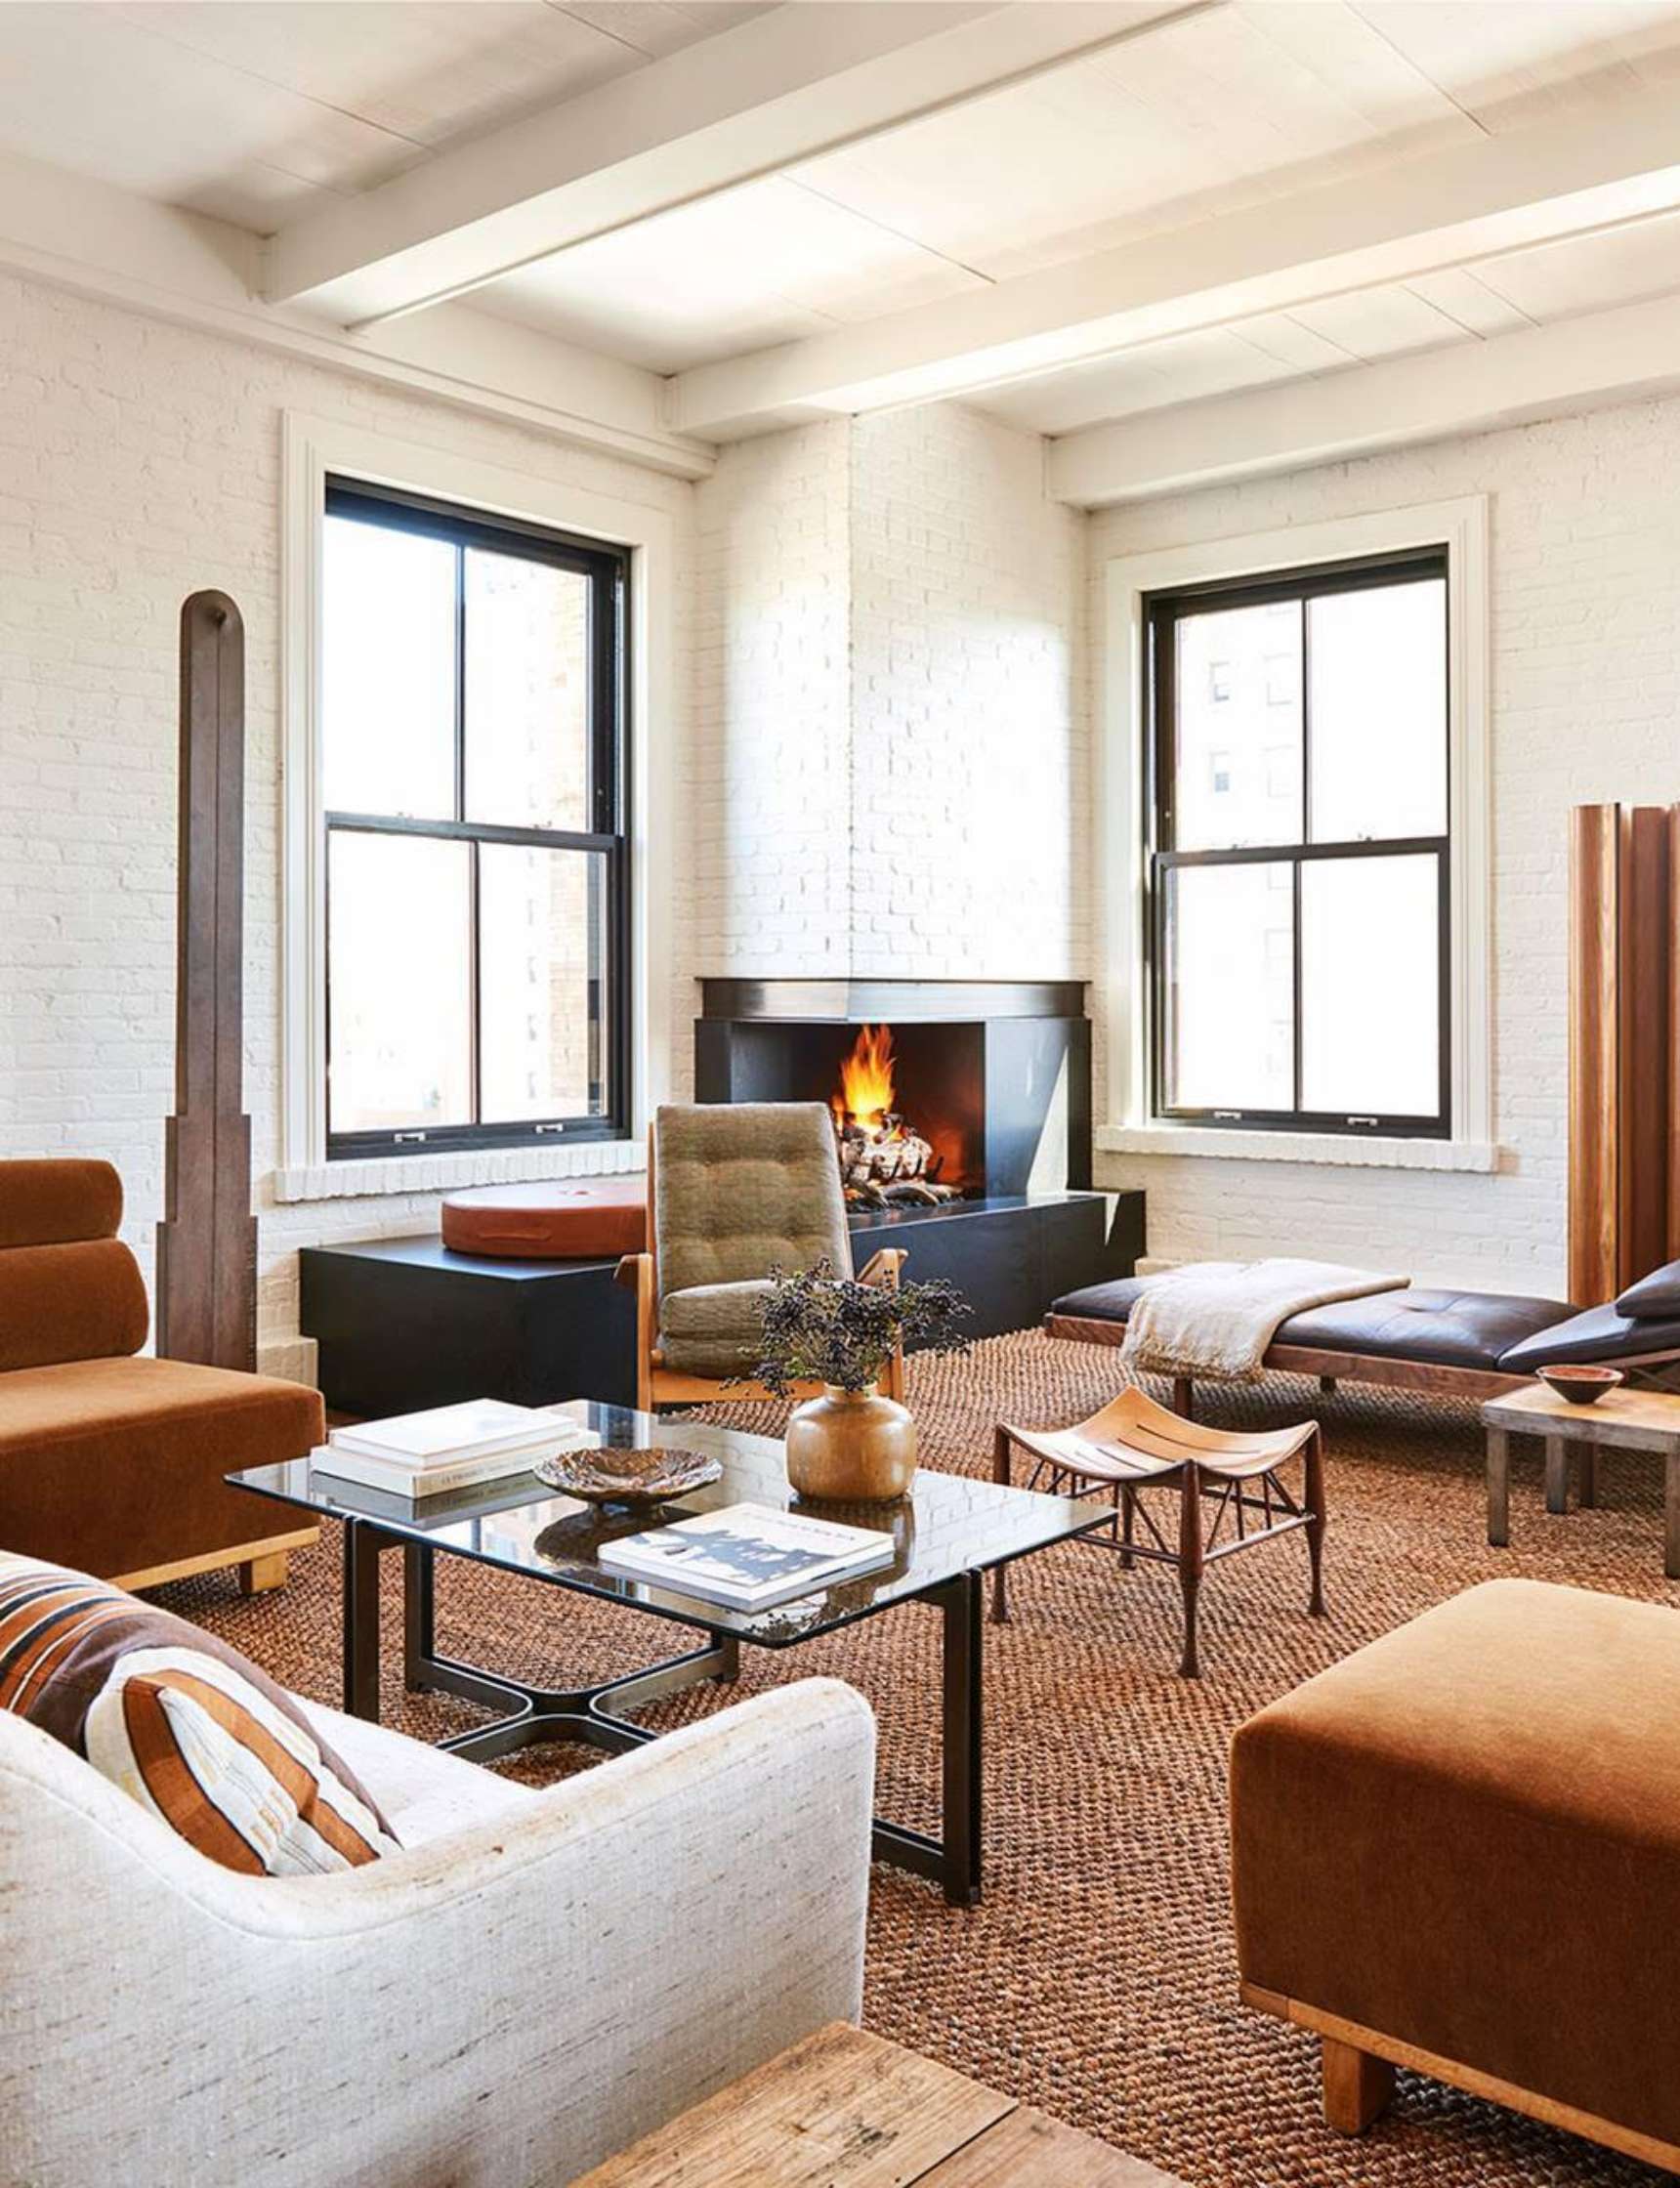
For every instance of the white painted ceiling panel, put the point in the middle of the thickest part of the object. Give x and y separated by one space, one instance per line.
1586 273
749 267
1478 309
1182 369
254 109
1380 322
425 70
1218 109
1514 63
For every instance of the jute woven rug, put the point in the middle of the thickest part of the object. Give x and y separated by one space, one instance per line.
1097 1979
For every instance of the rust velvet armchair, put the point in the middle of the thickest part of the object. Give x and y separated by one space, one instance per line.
112 1461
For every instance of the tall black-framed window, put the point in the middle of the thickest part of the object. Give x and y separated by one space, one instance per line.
473 753
1299 860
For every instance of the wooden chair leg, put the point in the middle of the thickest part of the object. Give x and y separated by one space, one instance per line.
1589 1477
999 1574
1128 1524
1356 2086
1315 1531
1184 1397
257 1575
1190 1564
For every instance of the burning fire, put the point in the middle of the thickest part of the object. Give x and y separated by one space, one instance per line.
865 1096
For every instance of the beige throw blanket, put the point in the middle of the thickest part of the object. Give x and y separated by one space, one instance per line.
1217 1318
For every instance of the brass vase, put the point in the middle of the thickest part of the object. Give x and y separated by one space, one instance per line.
852 1446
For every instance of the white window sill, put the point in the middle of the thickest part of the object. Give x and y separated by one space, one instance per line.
421 1173
1235 1144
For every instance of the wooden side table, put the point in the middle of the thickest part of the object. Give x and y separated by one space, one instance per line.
1636 1420
847 2110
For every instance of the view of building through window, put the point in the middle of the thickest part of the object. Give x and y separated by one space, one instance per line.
470 750
1300 854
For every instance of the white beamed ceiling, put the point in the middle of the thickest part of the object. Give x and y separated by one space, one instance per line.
255 111
263 113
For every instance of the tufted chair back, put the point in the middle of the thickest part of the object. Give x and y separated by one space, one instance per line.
744 1186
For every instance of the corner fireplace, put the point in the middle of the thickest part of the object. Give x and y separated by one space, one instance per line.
942 1091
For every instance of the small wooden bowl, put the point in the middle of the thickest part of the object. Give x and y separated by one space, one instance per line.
1582 1386
609 1476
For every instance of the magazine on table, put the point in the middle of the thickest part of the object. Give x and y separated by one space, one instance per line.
748 1556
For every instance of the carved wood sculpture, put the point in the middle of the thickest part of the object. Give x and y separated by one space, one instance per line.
1625 1085
207 1241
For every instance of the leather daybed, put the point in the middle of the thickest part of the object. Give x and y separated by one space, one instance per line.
1458 1344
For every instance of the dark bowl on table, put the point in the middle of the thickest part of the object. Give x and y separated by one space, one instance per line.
1582 1386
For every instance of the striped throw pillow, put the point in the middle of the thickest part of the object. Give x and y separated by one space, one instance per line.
183 1723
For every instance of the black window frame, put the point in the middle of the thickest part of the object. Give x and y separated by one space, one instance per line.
606 568
1163 612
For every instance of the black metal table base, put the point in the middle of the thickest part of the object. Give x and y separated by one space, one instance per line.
596 1715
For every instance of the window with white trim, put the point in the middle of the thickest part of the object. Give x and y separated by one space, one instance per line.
1298 850
473 755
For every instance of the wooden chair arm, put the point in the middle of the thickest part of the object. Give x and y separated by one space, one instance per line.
635 1269
884 1267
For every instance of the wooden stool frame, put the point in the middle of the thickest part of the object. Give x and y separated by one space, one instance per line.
1237 1476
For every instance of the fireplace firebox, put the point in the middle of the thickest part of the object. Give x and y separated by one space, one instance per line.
940 1091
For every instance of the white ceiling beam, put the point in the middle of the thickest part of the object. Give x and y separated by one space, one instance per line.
1576 364
778 89
100 241
1416 217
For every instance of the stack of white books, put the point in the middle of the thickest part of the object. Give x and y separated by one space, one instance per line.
450 1447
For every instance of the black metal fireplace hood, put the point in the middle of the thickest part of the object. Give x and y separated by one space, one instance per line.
848 1002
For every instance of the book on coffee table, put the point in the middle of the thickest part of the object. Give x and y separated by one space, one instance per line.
748 1556
450 1447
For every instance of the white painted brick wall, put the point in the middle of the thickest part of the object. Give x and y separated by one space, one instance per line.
1586 568
138 463
766 783
890 732
970 743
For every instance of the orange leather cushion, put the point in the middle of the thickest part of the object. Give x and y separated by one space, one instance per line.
47 1203
567 1219
1467 1837
84 1301
116 1467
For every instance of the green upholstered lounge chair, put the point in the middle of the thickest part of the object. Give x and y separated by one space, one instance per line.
734 1191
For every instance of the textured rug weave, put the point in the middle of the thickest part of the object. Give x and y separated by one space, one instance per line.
1097 1979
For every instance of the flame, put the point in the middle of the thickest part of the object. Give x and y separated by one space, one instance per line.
866 1095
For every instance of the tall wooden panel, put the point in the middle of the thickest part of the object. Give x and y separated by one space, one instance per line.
1594 1050
1644 1082
207 1241
1625 1114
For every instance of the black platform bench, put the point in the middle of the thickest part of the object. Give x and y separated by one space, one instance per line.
405 1323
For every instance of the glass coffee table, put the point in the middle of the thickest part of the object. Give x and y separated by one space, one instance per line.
948 1532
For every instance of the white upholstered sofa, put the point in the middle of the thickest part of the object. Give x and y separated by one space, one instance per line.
535 1981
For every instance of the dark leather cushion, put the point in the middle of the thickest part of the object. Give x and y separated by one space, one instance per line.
1100 1302
1438 1329
1598 1338
1654 1298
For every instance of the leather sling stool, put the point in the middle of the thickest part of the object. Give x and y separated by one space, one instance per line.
1459 1851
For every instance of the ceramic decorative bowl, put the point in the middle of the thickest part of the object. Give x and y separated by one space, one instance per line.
1582 1386
620 1477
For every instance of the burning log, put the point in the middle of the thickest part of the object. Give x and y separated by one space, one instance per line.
882 1159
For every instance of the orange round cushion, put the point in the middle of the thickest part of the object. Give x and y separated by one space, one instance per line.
567 1219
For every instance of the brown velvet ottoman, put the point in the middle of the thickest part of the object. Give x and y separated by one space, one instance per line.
1459 1851
567 1219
